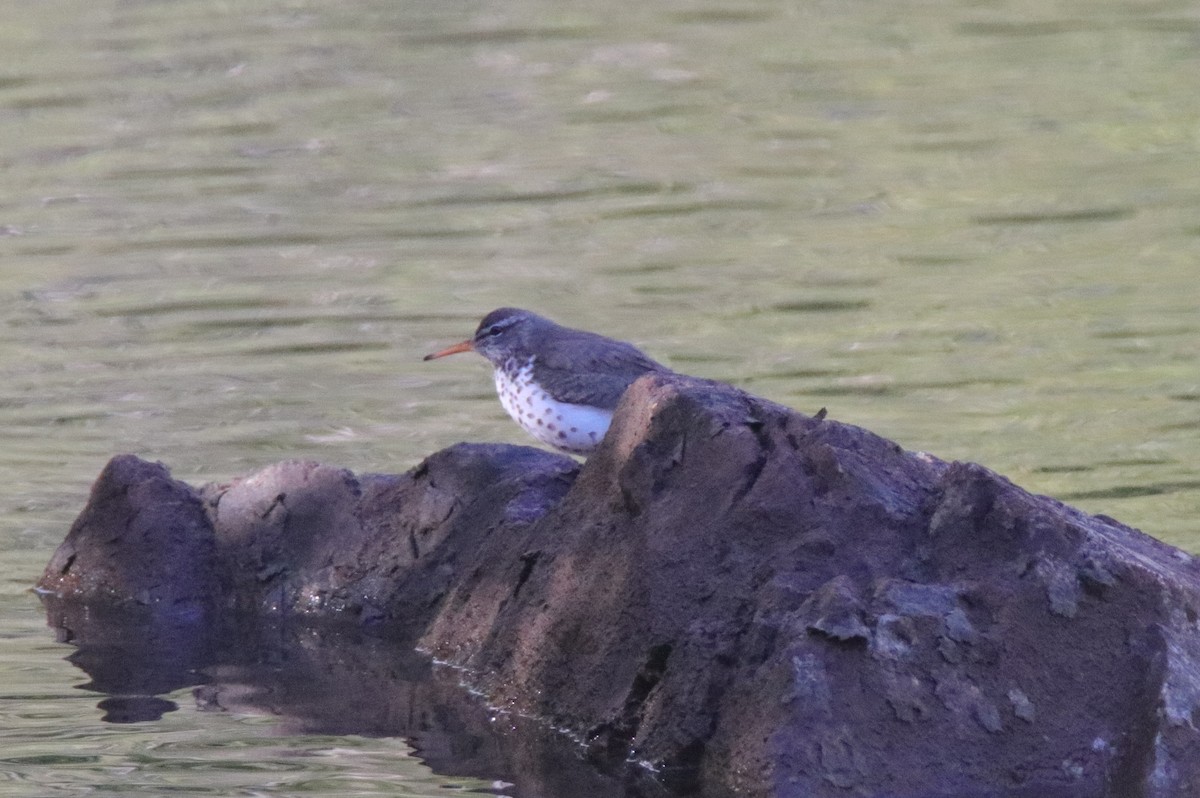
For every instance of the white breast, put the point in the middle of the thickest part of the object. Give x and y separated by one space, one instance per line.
572 428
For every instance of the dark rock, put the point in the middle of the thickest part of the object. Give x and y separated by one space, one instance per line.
301 537
836 611
748 600
143 538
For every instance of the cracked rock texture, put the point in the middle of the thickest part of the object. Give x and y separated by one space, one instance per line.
752 601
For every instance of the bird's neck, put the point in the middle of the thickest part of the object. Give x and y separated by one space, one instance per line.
513 365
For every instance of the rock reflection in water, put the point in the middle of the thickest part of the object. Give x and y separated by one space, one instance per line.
324 680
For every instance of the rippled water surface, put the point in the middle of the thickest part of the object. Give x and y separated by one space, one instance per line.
228 232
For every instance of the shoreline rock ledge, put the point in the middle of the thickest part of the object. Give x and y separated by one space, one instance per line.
751 601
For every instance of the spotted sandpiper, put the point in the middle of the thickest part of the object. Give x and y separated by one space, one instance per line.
561 385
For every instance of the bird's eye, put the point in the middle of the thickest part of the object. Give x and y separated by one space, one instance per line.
493 330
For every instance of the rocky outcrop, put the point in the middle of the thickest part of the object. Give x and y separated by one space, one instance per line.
745 599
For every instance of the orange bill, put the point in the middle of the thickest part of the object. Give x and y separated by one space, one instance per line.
465 346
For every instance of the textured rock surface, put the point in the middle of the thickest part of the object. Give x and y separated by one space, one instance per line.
753 601
143 538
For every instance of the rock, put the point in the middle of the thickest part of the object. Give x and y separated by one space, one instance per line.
143 538
748 600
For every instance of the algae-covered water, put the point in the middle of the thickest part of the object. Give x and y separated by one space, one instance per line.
228 232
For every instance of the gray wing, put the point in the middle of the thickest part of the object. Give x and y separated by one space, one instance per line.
590 369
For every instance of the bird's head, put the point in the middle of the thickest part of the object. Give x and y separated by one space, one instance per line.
503 333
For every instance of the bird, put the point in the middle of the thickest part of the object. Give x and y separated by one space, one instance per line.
561 385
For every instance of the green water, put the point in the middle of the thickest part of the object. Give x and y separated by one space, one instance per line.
228 232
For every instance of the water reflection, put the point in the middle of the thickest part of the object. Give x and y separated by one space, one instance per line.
135 708
329 680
